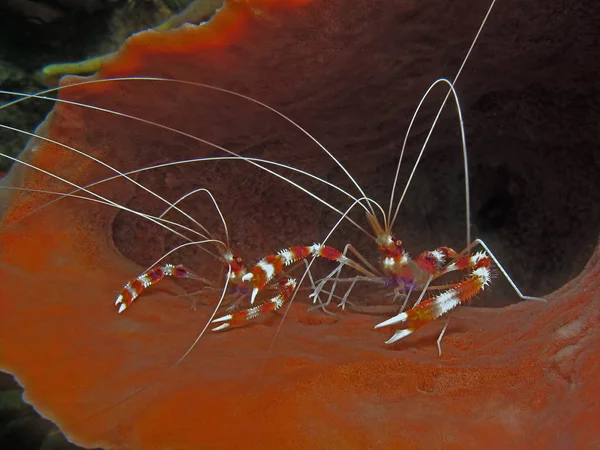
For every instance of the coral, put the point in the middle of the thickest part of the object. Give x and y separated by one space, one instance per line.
522 375
25 116
196 12
39 33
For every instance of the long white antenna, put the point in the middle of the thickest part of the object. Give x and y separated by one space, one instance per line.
191 83
450 92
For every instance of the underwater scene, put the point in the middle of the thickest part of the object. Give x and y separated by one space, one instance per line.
299 224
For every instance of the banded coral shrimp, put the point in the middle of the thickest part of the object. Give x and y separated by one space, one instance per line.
400 269
221 404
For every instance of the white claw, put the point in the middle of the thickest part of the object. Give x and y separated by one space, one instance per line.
394 320
253 296
226 318
119 300
221 327
398 335
122 308
314 297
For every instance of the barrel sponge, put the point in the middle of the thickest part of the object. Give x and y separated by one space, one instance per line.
508 376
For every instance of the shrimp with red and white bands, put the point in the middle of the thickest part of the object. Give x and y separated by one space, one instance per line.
432 265
398 270
257 278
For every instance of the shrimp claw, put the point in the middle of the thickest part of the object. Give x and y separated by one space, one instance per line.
286 288
435 307
135 287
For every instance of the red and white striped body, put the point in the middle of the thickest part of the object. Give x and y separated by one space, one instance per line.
272 265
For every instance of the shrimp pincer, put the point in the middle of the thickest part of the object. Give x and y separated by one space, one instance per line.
257 279
432 308
135 287
286 287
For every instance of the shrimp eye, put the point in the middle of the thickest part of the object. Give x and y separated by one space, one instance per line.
238 260
398 243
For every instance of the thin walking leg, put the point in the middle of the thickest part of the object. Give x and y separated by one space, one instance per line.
439 339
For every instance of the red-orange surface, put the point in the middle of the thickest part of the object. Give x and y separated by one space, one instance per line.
524 376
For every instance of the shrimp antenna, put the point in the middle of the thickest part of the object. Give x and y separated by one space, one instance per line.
451 91
191 83
174 130
223 221
111 204
464 151
73 149
100 198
